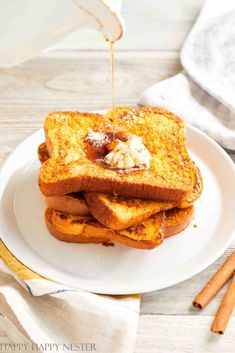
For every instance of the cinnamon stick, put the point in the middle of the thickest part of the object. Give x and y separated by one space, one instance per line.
225 309
215 283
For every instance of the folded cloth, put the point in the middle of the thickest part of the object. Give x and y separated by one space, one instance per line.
35 311
203 93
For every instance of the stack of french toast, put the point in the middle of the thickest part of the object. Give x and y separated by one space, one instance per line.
124 176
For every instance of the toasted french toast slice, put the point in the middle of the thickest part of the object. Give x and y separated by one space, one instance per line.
119 213
70 168
146 235
177 220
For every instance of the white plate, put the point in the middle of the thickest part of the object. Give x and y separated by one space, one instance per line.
118 269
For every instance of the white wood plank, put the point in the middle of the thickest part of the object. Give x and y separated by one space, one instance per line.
233 156
182 334
151 24
74 80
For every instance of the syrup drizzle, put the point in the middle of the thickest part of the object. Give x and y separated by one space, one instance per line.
112 72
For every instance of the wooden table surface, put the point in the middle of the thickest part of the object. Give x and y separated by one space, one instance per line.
75 75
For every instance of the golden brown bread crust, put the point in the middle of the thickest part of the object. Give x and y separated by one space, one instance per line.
105 185
170 174
196 191
177 220
72 204
67 237
146 235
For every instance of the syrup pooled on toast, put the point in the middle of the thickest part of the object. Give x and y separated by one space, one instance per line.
119 151
98 144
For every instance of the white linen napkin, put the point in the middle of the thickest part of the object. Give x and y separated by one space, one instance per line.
204 93
41 315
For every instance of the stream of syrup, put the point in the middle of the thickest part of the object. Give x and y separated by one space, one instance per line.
112 72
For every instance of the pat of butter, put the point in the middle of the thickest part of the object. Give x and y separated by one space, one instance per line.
129 154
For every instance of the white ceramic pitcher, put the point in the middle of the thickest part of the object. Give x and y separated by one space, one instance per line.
27 27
